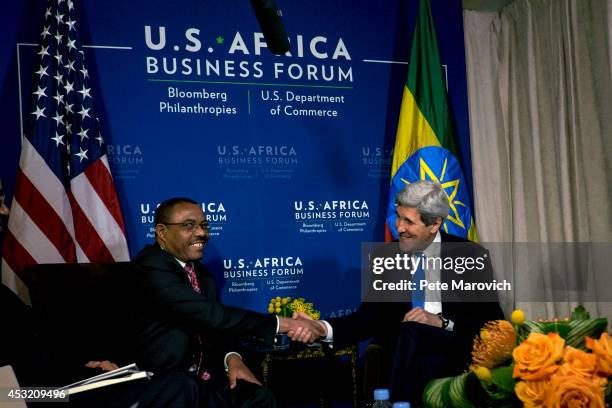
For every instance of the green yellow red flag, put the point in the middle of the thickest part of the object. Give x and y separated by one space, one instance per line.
425 143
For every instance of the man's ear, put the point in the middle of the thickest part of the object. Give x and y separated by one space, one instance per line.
435 227
160 233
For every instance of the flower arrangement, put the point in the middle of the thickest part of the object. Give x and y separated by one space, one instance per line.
559 363
285 307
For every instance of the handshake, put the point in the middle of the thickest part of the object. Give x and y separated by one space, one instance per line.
302 328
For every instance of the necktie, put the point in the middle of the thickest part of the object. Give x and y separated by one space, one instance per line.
418 295
195 284
193 278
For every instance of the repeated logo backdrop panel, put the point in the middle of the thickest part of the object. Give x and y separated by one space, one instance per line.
289 155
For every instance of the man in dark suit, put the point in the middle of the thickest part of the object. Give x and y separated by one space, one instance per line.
429 334
37 365
178 322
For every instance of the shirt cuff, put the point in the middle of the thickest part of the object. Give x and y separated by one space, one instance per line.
225 359
277 324
451 325
330 332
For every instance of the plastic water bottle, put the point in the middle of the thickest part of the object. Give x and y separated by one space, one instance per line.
401 404
381 398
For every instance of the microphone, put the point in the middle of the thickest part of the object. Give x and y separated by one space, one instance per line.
271 25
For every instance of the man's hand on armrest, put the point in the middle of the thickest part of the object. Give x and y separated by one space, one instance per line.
237 370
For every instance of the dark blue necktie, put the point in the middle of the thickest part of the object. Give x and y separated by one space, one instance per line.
418 295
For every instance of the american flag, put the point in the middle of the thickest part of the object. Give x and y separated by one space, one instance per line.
65 207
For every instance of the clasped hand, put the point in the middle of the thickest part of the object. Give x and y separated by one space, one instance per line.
302 328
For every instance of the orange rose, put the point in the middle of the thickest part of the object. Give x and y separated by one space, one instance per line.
532 393
536 358
602 348
574 391
578 362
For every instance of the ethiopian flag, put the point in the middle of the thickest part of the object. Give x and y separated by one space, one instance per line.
425 145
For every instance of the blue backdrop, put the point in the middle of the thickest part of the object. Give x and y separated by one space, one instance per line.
289 155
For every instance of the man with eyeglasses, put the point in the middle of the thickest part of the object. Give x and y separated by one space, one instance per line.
178 322
36 365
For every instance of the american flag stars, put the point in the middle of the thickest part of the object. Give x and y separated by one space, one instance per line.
62 94
65 207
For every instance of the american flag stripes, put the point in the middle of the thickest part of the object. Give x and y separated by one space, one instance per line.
65 207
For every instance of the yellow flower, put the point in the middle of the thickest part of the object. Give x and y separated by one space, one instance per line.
298 305
532 393
577 362
536 358
287 306
494 345
602 348
483 373
270 309
574 391
517 317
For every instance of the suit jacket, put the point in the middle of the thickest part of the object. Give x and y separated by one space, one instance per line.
381 320
167 315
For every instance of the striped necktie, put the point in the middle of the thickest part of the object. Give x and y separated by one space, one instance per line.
195 284
193 278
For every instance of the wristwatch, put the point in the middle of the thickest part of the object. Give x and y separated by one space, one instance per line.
444 320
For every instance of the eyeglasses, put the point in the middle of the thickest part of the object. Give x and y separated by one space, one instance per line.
189 226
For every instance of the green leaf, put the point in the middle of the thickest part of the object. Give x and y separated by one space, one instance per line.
579 329
563 328
502 378
580 313
573 331
457 394
501 385
436 392
501 388
527 328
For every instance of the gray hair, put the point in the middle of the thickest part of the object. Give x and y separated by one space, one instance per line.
426 196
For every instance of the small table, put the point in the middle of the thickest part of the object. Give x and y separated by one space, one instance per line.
320 353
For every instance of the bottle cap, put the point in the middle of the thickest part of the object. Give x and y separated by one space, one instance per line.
401 405
381 394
